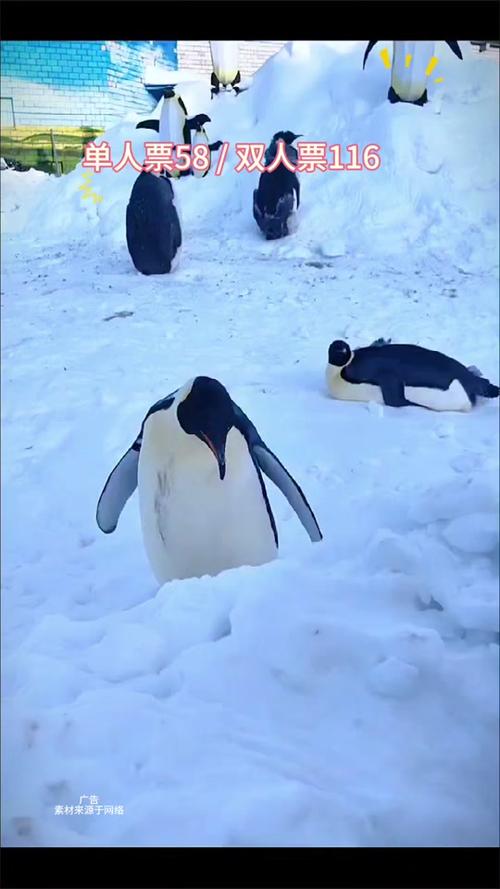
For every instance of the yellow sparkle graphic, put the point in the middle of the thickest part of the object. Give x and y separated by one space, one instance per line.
430 67
384 55
87 189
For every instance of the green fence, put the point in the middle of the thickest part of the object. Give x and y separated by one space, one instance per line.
55 151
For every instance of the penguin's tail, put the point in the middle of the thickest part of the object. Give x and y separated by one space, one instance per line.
478 385
487 389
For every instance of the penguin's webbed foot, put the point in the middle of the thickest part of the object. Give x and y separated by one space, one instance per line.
393 98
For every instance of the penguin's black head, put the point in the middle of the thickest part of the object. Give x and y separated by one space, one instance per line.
208 413
339 353
196 122
287 136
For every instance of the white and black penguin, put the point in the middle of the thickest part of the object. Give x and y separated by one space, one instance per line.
153 227
198 464
410 60
175 126
225 69
400 375
278 192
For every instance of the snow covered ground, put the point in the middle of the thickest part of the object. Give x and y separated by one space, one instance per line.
346 694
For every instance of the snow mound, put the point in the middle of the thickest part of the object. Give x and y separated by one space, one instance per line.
347 693
439 162
21 194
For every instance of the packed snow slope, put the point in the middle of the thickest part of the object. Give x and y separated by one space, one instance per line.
346 694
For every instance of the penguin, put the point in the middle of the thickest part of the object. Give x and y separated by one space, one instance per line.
225 71
291 152
200 138
278 193
198 463
175 126
153 228
400 375
409 63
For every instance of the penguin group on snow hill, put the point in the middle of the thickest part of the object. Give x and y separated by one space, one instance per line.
153 228
277 196
198 463
175 126
401 375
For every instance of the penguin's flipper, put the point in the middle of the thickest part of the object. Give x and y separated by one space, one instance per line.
120 485
257 210
371 44
296 188
149 125
284 207
215 146
122 481
453 44
393 391
269 464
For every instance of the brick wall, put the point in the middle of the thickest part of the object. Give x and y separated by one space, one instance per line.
77 83
94 83
195 55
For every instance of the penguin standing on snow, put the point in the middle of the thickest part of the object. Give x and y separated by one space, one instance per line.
400 375
410 60
278 193
198 464
153 228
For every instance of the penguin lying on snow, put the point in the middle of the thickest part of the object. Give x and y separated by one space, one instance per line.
198 464
399 375
410 60
278 194
152 224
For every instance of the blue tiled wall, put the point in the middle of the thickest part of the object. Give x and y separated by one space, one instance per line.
75 83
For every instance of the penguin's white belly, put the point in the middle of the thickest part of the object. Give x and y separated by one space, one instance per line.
224 59
340 388
409 65
454 398
195 524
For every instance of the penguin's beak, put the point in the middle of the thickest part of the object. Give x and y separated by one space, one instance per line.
219 454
